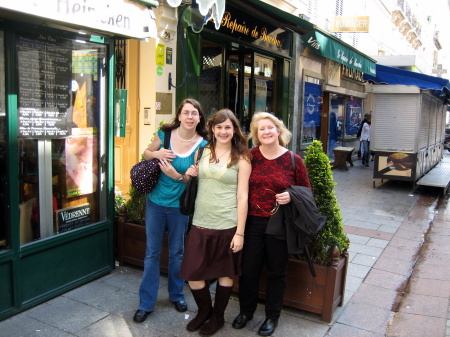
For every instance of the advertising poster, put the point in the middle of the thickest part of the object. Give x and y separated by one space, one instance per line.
311 112
81 162
354 115
400 165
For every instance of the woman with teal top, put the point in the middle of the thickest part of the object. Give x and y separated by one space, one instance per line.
162 204
214 243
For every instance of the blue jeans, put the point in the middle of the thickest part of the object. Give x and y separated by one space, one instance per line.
365 152
157 220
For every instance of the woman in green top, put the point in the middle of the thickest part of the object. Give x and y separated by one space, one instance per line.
214 243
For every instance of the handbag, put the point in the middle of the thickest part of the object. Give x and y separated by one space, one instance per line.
145 174
187 198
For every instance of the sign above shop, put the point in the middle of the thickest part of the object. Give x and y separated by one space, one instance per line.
251 30
119 17
349 24
337 51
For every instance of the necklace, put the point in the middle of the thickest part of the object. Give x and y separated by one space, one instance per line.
184 140
218 158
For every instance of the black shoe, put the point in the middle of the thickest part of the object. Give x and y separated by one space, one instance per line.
268 327
181 306
241 321
141 316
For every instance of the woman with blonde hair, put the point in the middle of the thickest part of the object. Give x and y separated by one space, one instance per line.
272 173
214 243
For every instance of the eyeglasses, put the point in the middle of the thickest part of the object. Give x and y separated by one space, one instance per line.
275 207
192 113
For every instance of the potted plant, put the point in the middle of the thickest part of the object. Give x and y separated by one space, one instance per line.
328 250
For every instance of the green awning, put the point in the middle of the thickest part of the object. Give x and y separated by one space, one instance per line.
335 50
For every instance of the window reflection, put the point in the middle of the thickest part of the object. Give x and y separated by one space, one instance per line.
60 91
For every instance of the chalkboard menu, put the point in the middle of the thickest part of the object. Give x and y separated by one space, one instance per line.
45 75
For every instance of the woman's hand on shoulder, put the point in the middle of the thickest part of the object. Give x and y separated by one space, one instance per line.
154 151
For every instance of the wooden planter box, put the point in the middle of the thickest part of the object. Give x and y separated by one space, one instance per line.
320 295
131 242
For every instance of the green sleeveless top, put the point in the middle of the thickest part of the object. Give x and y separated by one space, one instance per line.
216 202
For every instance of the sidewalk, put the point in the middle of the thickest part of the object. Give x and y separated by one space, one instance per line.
398 282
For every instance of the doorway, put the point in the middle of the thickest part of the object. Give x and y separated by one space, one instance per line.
251 85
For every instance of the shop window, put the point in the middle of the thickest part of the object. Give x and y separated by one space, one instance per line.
61 116
4 200
211 77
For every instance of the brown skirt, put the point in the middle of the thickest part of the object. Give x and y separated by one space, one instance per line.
207 255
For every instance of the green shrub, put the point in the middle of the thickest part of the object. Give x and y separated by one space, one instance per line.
322 183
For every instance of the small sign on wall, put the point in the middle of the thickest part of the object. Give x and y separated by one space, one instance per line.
163 103
160 54
169 55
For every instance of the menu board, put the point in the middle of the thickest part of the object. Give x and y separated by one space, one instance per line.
44 67
42 123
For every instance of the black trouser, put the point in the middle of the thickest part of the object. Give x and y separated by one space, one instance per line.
259 248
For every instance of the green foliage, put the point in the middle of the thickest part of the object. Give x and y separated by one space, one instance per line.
135 206
322 183
119 200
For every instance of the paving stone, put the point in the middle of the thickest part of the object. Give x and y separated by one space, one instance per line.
366 317
364 249
342 330
416 326
357 270
55 313
384 279
394 266
424 286
365 260
376 296
377 243
358 239
425 305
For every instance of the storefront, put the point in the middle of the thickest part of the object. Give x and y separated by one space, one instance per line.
57 123
247 65
334 91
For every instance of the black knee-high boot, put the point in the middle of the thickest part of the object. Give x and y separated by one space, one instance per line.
217 319
203 299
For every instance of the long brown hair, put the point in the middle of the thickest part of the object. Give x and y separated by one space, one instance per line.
201 126
239 144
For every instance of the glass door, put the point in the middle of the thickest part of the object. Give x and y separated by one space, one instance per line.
251 82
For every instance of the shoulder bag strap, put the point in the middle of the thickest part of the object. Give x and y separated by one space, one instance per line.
199 154
293 161
167 135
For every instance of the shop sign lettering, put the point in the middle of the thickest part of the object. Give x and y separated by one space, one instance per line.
255 32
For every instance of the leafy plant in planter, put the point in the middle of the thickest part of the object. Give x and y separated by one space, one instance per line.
322 183
135 207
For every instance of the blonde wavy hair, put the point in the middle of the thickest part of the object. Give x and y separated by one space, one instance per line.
285 135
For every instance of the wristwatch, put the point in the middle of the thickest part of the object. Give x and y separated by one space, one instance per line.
181 178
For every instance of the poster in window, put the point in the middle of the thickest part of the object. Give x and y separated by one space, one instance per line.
354 115
81 162
311 112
